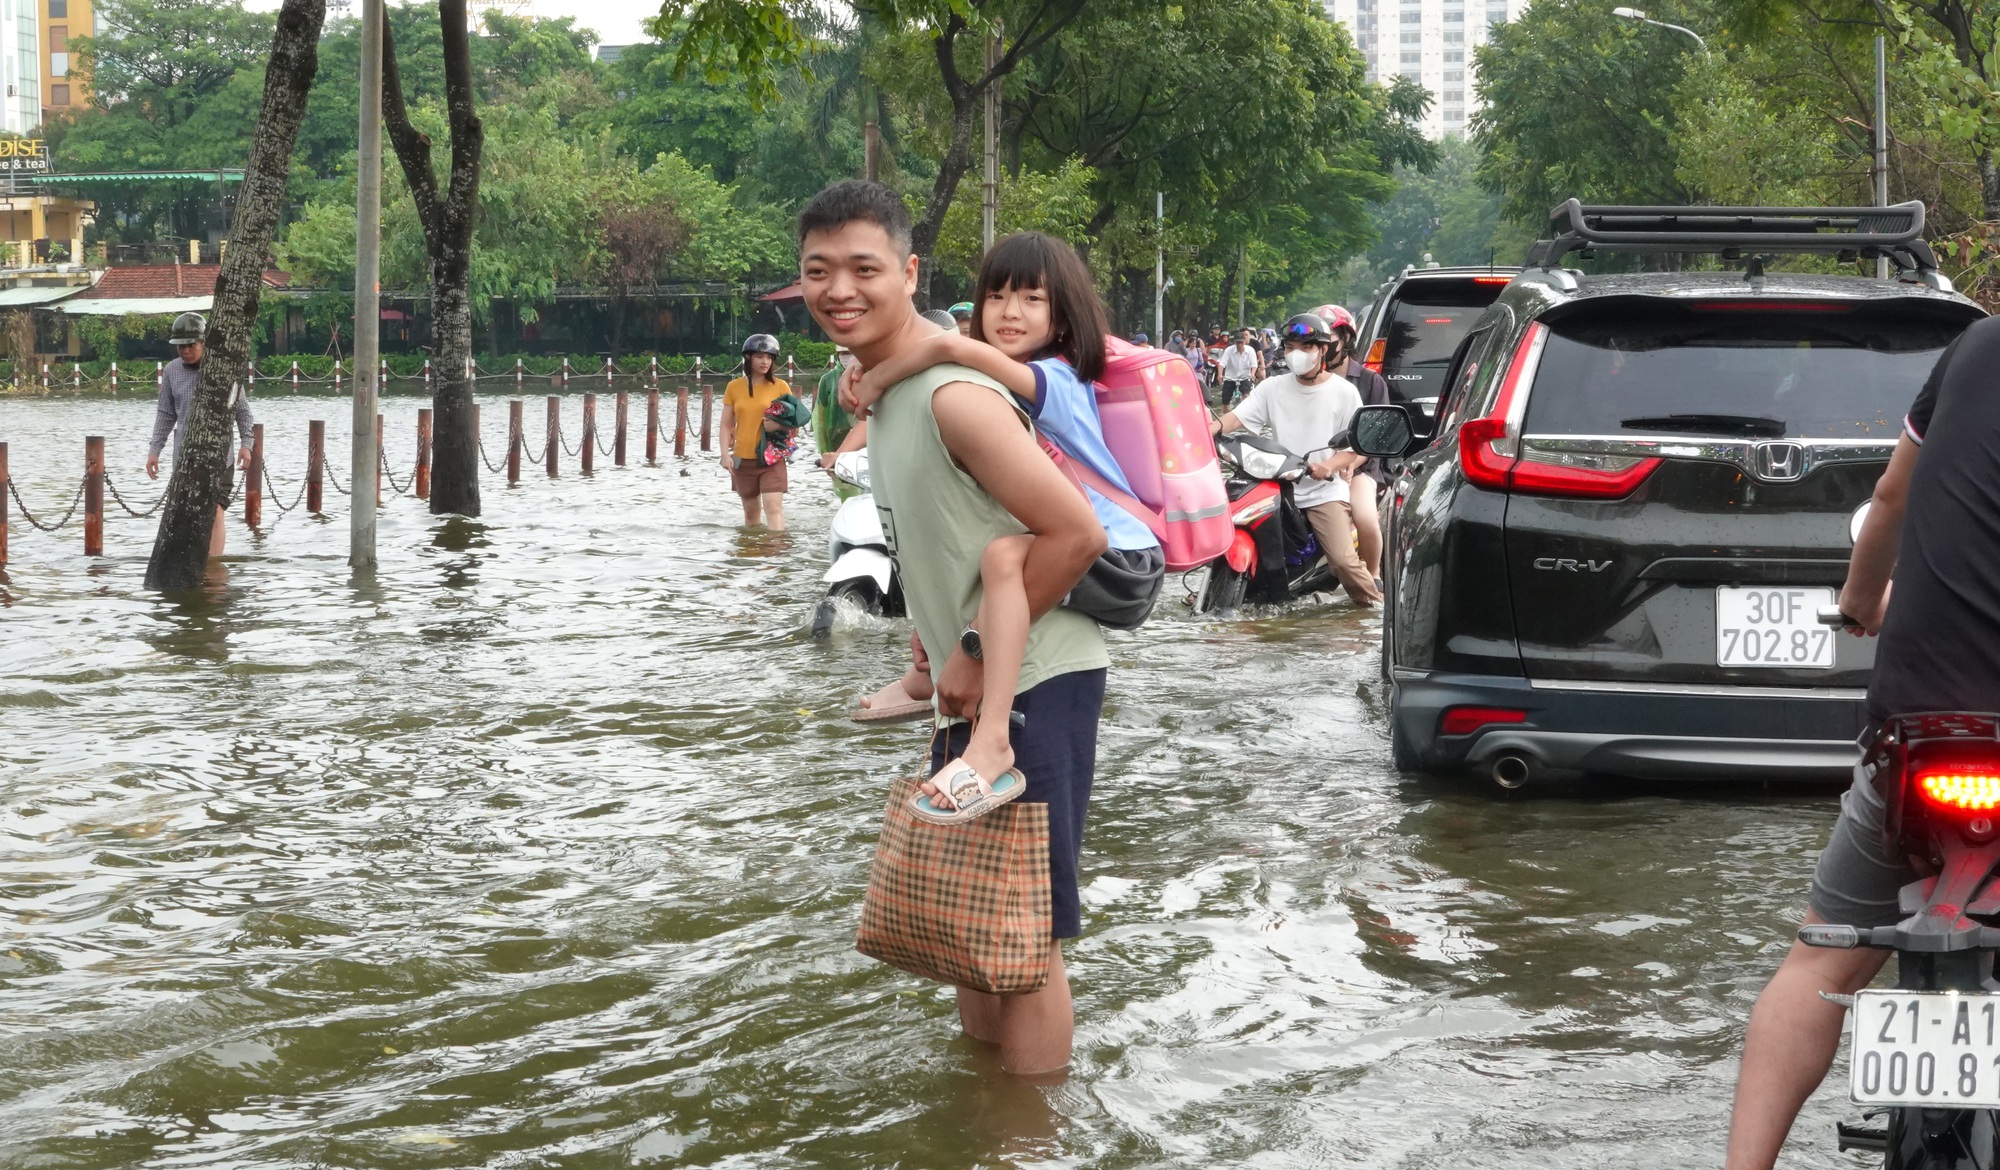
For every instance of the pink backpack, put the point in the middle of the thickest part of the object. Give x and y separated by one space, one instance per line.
1156 425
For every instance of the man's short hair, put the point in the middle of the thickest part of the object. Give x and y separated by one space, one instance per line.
858 199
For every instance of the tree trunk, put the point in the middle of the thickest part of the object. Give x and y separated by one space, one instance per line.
1989 185
202 473
952 168
447 219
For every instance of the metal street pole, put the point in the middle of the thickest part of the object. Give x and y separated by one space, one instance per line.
1642 18
367 293
1881 139
1242 279
1160 269
990 205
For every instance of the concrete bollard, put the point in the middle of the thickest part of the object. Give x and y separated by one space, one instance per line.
588 448
514 436
707 396
93 496
114 377
519 373
652 426
253 483
423 473
336 375
5 507
295 375
681 422
315 465
621 405
555 424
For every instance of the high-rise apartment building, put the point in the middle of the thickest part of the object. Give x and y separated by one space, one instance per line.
20 67
63 21
1428 41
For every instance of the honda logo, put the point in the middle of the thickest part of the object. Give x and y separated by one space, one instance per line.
1779 462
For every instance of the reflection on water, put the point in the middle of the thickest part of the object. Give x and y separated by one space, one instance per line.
544 846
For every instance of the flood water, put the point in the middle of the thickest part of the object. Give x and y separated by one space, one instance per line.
546 848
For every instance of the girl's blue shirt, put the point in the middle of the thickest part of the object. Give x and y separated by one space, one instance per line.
1065 410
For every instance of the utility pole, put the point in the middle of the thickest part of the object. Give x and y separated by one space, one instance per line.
1242 279
990 207
1160 269
367 294
1881 140
871 135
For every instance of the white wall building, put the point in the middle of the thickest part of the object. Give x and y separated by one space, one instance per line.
1430 41
20 67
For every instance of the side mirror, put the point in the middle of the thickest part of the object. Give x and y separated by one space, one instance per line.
1381 432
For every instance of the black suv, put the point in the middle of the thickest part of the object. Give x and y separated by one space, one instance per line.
1414 325
1608 554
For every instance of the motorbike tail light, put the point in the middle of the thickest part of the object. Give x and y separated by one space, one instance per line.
1466 720
1377 350
1964 791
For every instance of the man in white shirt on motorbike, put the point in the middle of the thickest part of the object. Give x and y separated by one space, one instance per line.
1242 367
1306 410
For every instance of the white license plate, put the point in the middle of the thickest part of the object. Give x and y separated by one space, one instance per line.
1938 1048
1774 626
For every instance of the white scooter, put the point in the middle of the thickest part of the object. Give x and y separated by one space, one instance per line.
861 567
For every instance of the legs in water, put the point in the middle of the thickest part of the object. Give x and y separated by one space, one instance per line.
1333 523
1367 523
1003 639
217 533
774 511
751 515
1033 1031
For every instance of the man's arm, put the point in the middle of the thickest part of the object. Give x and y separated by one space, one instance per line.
984 435
163 426
1865 597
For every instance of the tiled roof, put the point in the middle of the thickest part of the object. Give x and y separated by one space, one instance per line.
145 281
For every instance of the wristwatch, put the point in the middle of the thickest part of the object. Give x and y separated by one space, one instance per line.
968 641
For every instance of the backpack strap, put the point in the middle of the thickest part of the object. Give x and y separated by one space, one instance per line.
1080 473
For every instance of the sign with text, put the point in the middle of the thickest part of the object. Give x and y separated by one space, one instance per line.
28 155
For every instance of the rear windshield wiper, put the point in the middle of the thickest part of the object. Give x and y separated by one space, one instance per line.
1711 424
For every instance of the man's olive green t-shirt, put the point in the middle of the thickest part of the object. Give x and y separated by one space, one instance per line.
938 521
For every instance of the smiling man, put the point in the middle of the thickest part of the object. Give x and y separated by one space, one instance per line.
954 465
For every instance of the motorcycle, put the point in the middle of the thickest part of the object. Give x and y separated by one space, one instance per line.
1926 1055
861 568
1274 556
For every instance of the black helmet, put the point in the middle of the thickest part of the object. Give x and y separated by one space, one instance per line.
1310 327
760 343
189 328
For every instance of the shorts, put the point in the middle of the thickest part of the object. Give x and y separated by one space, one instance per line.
1055 747
751 480
1234 388
1860 873
1119 590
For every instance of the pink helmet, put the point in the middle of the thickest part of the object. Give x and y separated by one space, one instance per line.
1337 318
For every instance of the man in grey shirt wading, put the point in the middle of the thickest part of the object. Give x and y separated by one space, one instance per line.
177 383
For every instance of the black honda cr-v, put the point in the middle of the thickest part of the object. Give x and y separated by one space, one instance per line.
1608 555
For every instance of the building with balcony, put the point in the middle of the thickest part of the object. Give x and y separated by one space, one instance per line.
1428 41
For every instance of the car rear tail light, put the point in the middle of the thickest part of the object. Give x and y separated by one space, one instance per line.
1492 280
1773 307
1466 720
1376 350
1492 455
1961 791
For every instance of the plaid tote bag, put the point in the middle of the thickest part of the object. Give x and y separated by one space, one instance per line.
963 904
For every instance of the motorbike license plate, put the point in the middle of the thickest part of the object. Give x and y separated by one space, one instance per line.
1774 626
1938 1048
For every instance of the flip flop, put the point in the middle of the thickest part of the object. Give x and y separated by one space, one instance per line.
973 793
892 704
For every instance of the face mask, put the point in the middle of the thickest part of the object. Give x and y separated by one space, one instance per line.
1303 362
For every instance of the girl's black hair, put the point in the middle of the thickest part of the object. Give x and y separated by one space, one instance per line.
1031 260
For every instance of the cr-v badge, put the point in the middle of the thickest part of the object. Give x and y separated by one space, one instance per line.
1570 565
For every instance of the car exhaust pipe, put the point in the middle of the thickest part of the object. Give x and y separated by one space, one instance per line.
1513 772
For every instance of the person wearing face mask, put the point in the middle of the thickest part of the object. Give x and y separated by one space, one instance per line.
1305 410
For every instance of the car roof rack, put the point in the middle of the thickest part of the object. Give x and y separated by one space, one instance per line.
1895 231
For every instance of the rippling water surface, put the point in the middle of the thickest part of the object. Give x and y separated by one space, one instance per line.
546 849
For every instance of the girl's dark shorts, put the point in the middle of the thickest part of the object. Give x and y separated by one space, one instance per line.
1120 588
1055 747
751 479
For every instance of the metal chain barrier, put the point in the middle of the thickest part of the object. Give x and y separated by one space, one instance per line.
335 482
273 488
605 449
113 489
533 459
564 440
74 502
401 489
490 465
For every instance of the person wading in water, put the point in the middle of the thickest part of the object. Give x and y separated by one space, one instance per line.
954 466
177 383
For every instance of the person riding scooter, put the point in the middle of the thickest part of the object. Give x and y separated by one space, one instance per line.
1306 409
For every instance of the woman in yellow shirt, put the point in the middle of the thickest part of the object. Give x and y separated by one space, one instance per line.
744 402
